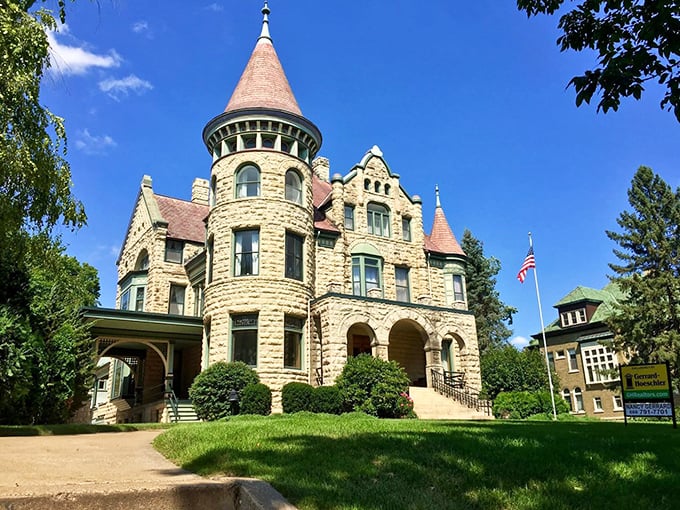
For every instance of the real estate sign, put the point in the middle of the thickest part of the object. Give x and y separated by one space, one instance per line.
647 391
642 382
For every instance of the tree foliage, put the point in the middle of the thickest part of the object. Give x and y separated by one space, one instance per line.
46 357
491 314
373 386
505 369
646 322
635 40
35 178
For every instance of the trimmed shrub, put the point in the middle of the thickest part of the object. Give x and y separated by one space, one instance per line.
522 404
373 386
327 399
256 399
296 397
211 388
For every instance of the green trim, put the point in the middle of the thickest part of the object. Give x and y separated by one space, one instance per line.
390 302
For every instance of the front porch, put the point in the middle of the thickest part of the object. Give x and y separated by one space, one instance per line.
421 338
153 356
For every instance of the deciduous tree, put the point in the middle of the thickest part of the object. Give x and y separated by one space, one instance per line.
646 323
46 357
636 41
35 178
491 315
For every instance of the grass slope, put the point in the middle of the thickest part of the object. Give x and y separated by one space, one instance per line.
358 462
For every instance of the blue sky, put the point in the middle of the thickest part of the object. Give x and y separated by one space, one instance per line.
470 96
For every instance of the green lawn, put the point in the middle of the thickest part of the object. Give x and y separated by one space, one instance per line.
357 462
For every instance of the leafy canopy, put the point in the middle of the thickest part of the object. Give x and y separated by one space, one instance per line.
491 314
46 357
505 369
635 40
646 322
35 178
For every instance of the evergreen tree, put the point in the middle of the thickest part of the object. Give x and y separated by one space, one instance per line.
646 323
491 314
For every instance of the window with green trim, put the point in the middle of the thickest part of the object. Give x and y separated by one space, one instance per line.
366 274
378 220
293 187
246 252
294 264
248 182
244 338
292 341
402 285
349 217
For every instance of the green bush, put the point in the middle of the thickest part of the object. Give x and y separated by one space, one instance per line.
522 404
256 399
373 386
211 388
327 399
296 397
505 369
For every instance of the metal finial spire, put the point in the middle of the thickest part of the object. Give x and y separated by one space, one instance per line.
265 22
436 192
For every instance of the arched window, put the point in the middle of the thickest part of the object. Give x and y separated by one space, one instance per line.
366 269
213 190
566 395
578 399
293 187
248 182
378 220
142 261
367 184
387 189
377 187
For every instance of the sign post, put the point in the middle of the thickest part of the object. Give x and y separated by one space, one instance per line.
646 391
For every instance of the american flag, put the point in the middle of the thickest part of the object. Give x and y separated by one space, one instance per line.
528 263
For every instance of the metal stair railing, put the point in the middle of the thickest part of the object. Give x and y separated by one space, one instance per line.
452 385
171 399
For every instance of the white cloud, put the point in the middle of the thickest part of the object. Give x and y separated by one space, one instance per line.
519 342
91 144
215 7
77 59
142 28
122 87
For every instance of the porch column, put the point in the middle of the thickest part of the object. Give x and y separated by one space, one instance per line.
433 360
381 345
171 362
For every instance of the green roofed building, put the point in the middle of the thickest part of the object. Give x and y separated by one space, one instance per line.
580 350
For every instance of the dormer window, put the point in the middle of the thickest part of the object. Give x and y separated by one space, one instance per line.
573 317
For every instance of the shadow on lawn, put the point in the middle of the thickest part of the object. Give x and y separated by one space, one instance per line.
439 465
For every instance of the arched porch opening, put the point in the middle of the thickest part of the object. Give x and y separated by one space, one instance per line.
452 348
360 340
407 347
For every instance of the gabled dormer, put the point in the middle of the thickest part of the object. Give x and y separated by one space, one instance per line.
585 305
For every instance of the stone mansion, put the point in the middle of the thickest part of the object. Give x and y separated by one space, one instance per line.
277 263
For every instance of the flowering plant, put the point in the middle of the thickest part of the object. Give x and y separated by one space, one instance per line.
404 405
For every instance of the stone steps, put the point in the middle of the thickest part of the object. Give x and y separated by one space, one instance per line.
430 405
185 411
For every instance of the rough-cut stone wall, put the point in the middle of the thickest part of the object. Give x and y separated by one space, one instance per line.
393 249
143 235
269 293
336 314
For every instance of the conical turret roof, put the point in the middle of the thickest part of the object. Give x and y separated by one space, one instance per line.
441 238
263 83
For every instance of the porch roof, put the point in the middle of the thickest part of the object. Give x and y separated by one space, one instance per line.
113 323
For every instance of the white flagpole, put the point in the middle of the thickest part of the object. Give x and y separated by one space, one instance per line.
545 345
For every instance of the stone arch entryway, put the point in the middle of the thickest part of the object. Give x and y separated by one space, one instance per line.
407 341
360 340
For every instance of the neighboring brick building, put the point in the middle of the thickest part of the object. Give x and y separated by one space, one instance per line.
279 264
579 349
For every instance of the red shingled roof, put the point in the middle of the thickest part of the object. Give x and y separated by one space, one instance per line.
442 240
185 219
321 193
263 83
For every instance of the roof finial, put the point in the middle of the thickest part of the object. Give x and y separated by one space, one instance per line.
265 22
436 192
